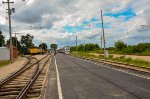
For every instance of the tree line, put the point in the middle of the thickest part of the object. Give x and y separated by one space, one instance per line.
25 41
141 48
86 47
119 47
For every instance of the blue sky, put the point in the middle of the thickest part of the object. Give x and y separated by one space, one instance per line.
67 17
94 22
86 25
128 13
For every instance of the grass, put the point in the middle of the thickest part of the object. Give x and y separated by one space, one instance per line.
86 55
136 62
4 63
145 53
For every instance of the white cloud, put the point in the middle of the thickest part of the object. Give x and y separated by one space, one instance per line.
53 15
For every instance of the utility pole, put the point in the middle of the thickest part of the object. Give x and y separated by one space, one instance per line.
76 42
9 17
103 34
143 38
67 44
16 38
101 43
84 47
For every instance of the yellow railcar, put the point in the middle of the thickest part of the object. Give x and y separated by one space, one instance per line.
34 51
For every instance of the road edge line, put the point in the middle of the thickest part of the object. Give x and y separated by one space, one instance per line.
58 81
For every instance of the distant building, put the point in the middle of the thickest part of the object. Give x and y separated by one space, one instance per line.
65 50
15 51
4 54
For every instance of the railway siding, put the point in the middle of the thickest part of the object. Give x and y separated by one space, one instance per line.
11 89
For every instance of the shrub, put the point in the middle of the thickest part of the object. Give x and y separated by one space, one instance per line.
119 45
122 57
128 59
110 56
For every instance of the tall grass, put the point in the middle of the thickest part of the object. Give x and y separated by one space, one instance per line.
137 62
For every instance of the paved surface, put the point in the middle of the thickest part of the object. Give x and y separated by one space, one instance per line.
83 80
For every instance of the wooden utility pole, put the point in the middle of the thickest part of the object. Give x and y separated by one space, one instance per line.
10 33
103 34
76 42
16 38
101 43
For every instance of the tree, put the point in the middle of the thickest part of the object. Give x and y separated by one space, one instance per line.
15 42
27 41
43 46
73 48
54 46
119 45
81 47
86 47
2 39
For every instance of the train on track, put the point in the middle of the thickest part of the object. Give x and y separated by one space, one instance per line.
33 50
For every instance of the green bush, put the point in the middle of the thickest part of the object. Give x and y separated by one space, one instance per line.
110 56
122 57
128 59
101 56
119 45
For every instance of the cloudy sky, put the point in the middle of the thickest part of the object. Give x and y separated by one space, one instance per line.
59 21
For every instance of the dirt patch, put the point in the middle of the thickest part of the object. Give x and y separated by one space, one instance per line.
10 68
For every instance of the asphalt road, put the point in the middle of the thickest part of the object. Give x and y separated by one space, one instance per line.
72 78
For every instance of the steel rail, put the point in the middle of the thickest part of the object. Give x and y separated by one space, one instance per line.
24 91
15 73
20 71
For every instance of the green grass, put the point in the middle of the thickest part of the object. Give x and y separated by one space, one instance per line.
4 63
145 53
136 62
87 55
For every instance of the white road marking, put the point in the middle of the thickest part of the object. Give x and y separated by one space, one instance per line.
58 81
141 76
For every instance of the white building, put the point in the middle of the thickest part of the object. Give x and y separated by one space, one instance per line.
4 54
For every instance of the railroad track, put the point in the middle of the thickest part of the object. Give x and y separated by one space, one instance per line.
18 85
31 60
145 72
